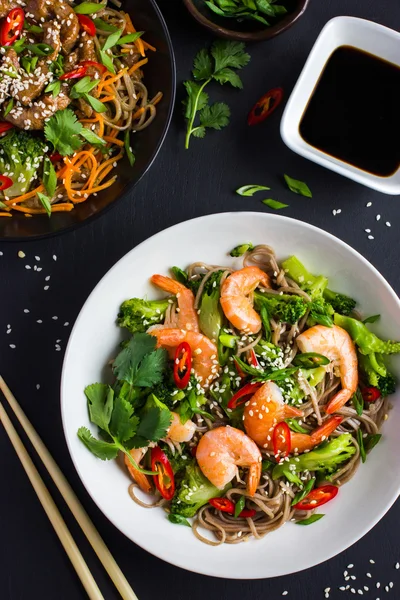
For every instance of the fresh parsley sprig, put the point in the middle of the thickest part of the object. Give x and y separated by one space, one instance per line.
217 64
65 132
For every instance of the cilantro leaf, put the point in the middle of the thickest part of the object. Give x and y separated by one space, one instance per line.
154 424
139 363
196 99
229 54
100 404
101 449
203 68
228 76
199 132
123 423
62 130
151 368
215 116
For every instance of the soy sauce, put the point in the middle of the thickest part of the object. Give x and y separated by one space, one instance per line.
354 112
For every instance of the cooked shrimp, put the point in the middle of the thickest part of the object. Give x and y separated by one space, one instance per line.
141 479
204 351
181 432
234 301
222 450
187 317
267 408
336 344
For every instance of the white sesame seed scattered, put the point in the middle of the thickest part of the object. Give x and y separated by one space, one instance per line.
371 237
46 287
21 254
371 561
54 257
327 590
39 321
391 584
353 591
38 386
27 267
368 574
54 318
366 588
367 230
353 577
368 204
285 593
37 257
350 566
342 588
397 566
47 278
26 310
12 346
360 592
378 217
66 324
378 585
388 224
339 210
386 588
334 212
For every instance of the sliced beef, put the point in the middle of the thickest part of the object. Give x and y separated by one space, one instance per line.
62 11
71 61
87 51
10 63
34 117
6 6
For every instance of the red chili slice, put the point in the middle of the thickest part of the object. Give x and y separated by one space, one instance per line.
182 365
317 497
265 106
5 126
370 394
164 480
226 505
247 513
55 157
241 396
281 440
12 26
87 24
5 182
93 63
77 73
253 358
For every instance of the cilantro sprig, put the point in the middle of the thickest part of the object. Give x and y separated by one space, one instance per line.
216 64
122 426
65 132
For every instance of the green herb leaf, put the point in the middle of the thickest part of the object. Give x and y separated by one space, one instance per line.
250 190
107 61
100 24
9 106
294 426
45 202
131 37
310 360
358 402
178 520
128 149
203 68
215 116
40 49
123 424
241 249
196 99
154 425
151 368
100 404
307 489
275 204
83 86
101 449
112 40
4 206
94 103
199 131
372 319
310 520
371 441
266 465
55 87
19 45
229 54
228 76
239 506
139 363
63 130
33 28
360 441
88 8
49 177
92 137
298 187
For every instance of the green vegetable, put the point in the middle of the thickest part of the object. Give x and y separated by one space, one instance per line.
287 308
307 489
250 190
45 202
252 10
21 154
155 418
131 37
298 187
49 177
139 363
217 64
32 28
63 131
54 86
83 86
320 312
310 520
266 465
88 8
57 66
325 458
128 149
40 49
295 270
275 204
361 445
241 249
229 341
137 315
294 426
107 61
377 373
97 105
239 506
310 360
178 520
211 316
340 302
193 491
183 278
371 319
112 40
91 137
371 441
270 375
100 24
358 402
8 107
367 342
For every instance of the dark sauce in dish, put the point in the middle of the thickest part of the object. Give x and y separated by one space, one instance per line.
354 112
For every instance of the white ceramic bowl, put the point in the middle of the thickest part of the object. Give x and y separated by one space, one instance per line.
360 503
340 31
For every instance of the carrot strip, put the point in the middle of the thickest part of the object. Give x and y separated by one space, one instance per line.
93 190
129 28
5 214
137 114
139 45
109 161
108 80
113 140
138 65
105 173
149 46
26 196
107 98
64 207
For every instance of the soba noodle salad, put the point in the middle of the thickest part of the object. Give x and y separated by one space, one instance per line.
245 398
71 94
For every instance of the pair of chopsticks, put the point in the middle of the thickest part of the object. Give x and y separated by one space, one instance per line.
70 498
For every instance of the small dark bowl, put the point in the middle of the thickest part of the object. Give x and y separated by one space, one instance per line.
160 75
246 31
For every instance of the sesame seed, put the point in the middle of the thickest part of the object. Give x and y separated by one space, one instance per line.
20 253
367 230
360 592
38 386
54 257
54 318
39 321
27 267
285 593
378 217
366 588
397 566
37 257
386 588
353 591
46 287
12 346
353 577
368 574
391 584
388 224
327 590
378 585
371 237
368 204
350 566
66 324
26 310
371 561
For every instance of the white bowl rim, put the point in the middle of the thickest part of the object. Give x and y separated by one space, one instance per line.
237 214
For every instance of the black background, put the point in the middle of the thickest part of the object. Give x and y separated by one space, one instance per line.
181 185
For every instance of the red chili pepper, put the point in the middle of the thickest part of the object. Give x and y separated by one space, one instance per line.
241 374
248 390
5 182
77 73
12 26
87 24
164 480
265 106
55 157
317 497
182 365
370 394
281 440
5 126
226 505
93 63
253 358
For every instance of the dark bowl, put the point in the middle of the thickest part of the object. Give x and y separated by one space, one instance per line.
246 31
160 74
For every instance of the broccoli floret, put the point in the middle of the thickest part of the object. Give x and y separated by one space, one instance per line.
321 312
377 373
137 315
178 461
340 303
241 249
182 277
325 458
193 491
211 317
285 307
21 155
315 286
367 342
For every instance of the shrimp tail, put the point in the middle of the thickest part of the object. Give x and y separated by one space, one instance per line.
301 442
291 411
166 283
141 479
338 401
253 479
